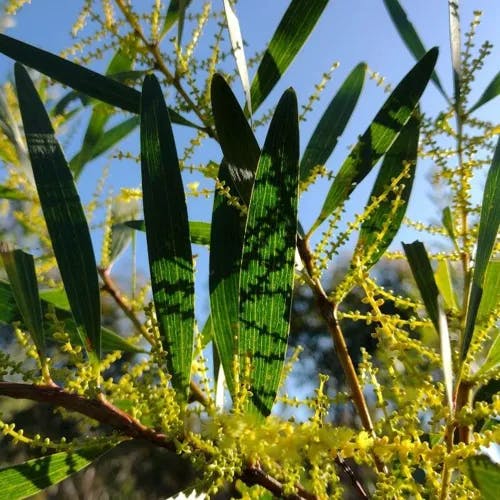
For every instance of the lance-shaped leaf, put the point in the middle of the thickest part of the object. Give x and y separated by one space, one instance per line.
380 135
79 78
20 268
290 35
491 91
409 35
456 62
56 302
167 234
488 232
484 474
380 228
33 476
490 300
237 46
64 216
449 225
237 172
445 284
268 260
175 12
199 231
333 122
424 277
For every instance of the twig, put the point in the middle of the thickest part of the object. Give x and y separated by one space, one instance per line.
106 413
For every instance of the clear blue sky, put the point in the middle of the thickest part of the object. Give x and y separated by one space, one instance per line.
350 31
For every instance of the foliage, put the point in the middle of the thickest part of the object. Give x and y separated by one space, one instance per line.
425 392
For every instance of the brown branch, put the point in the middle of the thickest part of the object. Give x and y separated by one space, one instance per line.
106 413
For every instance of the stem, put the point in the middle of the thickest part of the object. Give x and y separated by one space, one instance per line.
106 413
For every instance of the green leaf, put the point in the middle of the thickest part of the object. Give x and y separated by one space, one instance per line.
445 284
176 10
491 291
484 474
167 234
268 260
238 49
380 135
456 62
8 193
449 225
488 232
491 91
64 216
422 272
79 78
333 122
290 35
33 476
20 268
409 35
237 172
380 228
199 231
492 361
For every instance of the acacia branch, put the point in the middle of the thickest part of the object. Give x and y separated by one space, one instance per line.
106 413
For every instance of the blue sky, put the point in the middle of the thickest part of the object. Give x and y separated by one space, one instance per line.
350 31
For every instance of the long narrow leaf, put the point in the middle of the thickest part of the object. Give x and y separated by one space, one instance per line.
20 268
79 78
380 228
488 232
64 216
33 476
290 35
237 172
176 9
199 231
485 475
380 135
409 36
455 48
233 26
268 260
333 122
167 233
445 284
490 300
424 277
491 91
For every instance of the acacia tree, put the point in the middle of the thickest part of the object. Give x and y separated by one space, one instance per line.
423 422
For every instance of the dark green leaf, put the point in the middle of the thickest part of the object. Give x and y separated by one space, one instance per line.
79 78
20 268
33 476
176 8
167 234
379 229
409 35
199 231
237 172
421 269
290 35
380 135
491 91
64 216
8 193
333 122
268 259
484 474
488 232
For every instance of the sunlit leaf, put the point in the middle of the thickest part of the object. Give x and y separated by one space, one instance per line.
167 234
199 231
379 136
456 61
20 268
492 361
237 46
447 220
268 260
237 172
409 35
484 474
488 232
491 91
380 228
333 122
64 216
8 193
176 9
490 299
293 30
445 284
33 476
79 78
